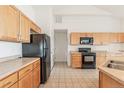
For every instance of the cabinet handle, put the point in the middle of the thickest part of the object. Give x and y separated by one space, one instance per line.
6 84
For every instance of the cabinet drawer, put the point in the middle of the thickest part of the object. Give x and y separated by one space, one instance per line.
36 64
8 81
25 71
14 85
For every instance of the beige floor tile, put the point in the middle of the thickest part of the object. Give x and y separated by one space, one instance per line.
63 76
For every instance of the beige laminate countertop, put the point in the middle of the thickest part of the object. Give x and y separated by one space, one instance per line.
11 66
115 74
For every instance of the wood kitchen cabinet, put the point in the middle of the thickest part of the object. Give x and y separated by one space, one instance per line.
121 37
101 38
9 81
97 38
36 77
9 23
15 85
113 37
25 77
75 38
13 23
35 28
105 38
26 81
36 74
89 34
106 81
76 60
3 22
25 29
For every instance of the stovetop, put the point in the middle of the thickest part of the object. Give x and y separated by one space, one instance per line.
86 51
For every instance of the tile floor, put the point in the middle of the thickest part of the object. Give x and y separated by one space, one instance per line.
63 76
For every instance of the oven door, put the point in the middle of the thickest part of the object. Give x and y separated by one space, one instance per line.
89 58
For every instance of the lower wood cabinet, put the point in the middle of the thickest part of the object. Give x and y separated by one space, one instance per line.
16 85
106 81
27 77
36 77
9 81
76 60
26 81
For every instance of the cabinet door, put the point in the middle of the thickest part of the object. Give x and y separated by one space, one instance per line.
76 60
14 85
26 81
3 22
83 34
121 37
75 38
36 77
97 38
13 23
105 38
25 29
89 34
114 37
106 81
35 28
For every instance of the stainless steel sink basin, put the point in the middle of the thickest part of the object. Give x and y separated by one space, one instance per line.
115 65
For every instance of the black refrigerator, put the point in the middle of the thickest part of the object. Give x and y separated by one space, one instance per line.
39 46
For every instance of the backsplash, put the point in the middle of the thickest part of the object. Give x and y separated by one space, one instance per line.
114 47
8 49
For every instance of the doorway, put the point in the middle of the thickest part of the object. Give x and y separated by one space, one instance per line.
61 46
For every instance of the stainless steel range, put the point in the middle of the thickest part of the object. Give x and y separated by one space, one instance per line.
88 58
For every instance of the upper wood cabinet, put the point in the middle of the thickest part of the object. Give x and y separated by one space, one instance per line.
114 37
3 22
75 38
97 38
35 28
13 23
121 37
101 38
105 38
24 29
9 23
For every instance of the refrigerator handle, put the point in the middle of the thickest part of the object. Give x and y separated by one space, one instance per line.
45 50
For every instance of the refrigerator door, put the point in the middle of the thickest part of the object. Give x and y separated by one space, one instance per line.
47 55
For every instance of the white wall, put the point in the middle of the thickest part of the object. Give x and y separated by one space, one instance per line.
8 49
89 24
61 46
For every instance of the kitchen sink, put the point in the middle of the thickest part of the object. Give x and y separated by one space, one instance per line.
115 65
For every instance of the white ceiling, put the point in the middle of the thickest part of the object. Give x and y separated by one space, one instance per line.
78 10
109 10
116 10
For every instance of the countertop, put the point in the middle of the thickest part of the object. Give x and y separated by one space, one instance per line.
115 74
11 66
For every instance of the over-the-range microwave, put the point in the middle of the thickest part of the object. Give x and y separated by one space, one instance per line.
86 40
